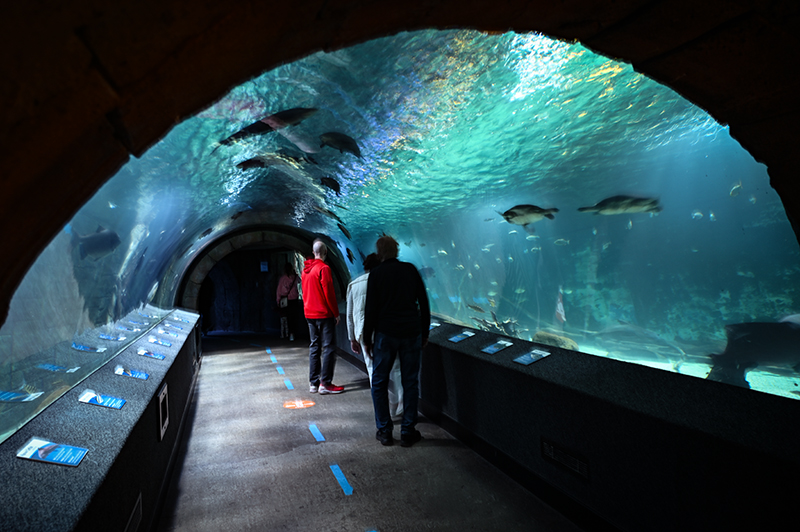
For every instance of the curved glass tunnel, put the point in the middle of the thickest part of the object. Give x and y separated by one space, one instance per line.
445 133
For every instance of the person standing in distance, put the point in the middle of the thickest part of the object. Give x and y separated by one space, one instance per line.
322 314
398 314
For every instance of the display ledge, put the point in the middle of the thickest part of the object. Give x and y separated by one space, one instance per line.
118 483
640 448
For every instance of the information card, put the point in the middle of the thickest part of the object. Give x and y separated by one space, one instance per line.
146 353
463 335
136 374
43 450
93 398
497 346
530 358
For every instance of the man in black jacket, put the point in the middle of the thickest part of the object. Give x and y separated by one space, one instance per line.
397 312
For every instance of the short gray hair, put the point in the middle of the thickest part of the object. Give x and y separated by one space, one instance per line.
320 249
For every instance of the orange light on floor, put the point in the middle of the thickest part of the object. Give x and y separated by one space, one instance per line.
298 403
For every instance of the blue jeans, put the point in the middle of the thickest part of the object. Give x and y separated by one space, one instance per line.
384 352
323 342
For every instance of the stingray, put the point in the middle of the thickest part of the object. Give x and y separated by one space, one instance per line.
756 345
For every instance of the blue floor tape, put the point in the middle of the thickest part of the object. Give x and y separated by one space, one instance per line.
288 384
315 431
274 360
346 487
280 370
269 350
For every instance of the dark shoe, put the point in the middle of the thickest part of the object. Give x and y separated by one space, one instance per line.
407 439
385 437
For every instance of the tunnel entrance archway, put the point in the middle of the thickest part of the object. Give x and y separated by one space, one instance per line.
262 242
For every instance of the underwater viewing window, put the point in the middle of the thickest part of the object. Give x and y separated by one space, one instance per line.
543 191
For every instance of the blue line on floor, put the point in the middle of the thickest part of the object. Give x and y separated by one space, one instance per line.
315 431
346 487
269 350
280 370
274 360
288 384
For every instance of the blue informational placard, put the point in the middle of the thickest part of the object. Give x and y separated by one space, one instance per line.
93 398
497 346
145 353
58 369
43 450
105 336
91 349
135 373
154 340
18 396
529 358
463 335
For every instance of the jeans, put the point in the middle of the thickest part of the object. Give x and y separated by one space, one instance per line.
384 352
323 342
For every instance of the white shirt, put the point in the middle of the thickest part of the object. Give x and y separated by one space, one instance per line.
356 300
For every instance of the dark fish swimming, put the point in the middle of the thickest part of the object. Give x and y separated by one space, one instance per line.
756 345
427 272
624 205
282 119
206 233
96 245
527 214
341 142
328 213
345 231
350 256
331 183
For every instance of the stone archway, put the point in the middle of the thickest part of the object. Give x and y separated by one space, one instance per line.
83 88
188 293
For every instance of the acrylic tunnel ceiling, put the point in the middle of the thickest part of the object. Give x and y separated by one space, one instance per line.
641 228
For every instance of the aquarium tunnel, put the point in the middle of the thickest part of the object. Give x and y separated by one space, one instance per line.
547 195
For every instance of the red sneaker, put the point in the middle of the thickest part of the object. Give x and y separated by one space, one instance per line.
325 389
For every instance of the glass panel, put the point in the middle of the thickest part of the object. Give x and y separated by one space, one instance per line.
498 162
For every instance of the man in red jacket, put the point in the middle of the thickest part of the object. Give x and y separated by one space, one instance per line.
322 314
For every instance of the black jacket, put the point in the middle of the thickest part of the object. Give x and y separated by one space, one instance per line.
397 304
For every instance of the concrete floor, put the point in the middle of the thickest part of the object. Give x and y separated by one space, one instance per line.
249 463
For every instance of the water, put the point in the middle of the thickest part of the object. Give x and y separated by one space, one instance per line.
455 127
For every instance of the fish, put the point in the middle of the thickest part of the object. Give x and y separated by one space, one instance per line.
525 215
237 215
328 213
279 120
561 242
206 233
97 245
756 345
696 215
427 272
476 308
345 231
752 199
623 205
341 142
735 189
331 183
712 216
350 255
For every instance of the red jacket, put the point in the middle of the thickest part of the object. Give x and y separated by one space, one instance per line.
319 298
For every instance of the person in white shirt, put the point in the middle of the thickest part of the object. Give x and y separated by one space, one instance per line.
356 299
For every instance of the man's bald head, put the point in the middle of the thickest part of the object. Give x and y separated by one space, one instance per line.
320 250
